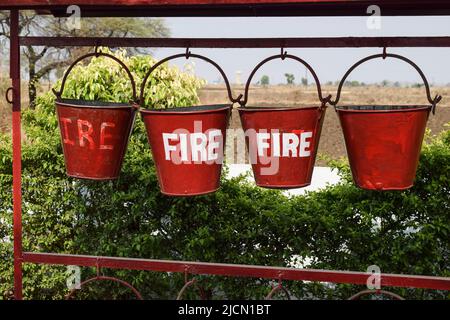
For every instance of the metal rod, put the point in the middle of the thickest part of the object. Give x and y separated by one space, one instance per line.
359 278
72 292
17 152
339 42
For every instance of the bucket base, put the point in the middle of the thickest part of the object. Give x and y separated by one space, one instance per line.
297 186
386 189
92 178
189 194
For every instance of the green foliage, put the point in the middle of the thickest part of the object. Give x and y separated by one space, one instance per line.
290 78
341 227
105 80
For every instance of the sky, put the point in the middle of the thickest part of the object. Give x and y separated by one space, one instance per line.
330 64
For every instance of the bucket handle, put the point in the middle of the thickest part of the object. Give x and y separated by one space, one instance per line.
96 54
384 55
283 56
187 55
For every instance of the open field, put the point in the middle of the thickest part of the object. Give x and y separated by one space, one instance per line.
332 140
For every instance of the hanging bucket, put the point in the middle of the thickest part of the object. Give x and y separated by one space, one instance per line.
94 134
383 141
187 143
282 141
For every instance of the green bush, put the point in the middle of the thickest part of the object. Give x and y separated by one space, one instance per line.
240 223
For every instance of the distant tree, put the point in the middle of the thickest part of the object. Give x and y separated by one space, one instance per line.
304 81
353 83
43 60
385 83
289 78
264 80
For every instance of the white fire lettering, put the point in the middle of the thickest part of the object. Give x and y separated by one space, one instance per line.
198 146
287 144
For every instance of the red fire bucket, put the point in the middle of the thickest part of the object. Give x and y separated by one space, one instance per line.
383 142
94 134
187 143
282 142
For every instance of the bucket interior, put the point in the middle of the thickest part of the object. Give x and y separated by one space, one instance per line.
90 103
202 108
384 107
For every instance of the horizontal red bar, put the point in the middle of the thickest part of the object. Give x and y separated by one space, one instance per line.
235 270
208 8
335 42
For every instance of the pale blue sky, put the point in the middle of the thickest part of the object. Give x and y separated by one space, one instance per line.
330 64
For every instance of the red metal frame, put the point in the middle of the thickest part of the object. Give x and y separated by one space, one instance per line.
360 278
17 152
208 8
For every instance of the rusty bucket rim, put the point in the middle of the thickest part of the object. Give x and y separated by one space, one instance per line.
199 109
93 104
397 108
266 109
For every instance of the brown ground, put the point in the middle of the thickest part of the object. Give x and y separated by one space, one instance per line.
332 140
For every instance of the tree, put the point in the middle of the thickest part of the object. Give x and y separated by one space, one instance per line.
44 60
305 82
264 80
289 78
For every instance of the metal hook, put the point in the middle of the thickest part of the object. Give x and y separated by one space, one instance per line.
384 53
283 53
188 53
97 50
8 91
436 100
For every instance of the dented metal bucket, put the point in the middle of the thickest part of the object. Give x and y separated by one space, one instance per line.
94 137
187 145
383 144
282 144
